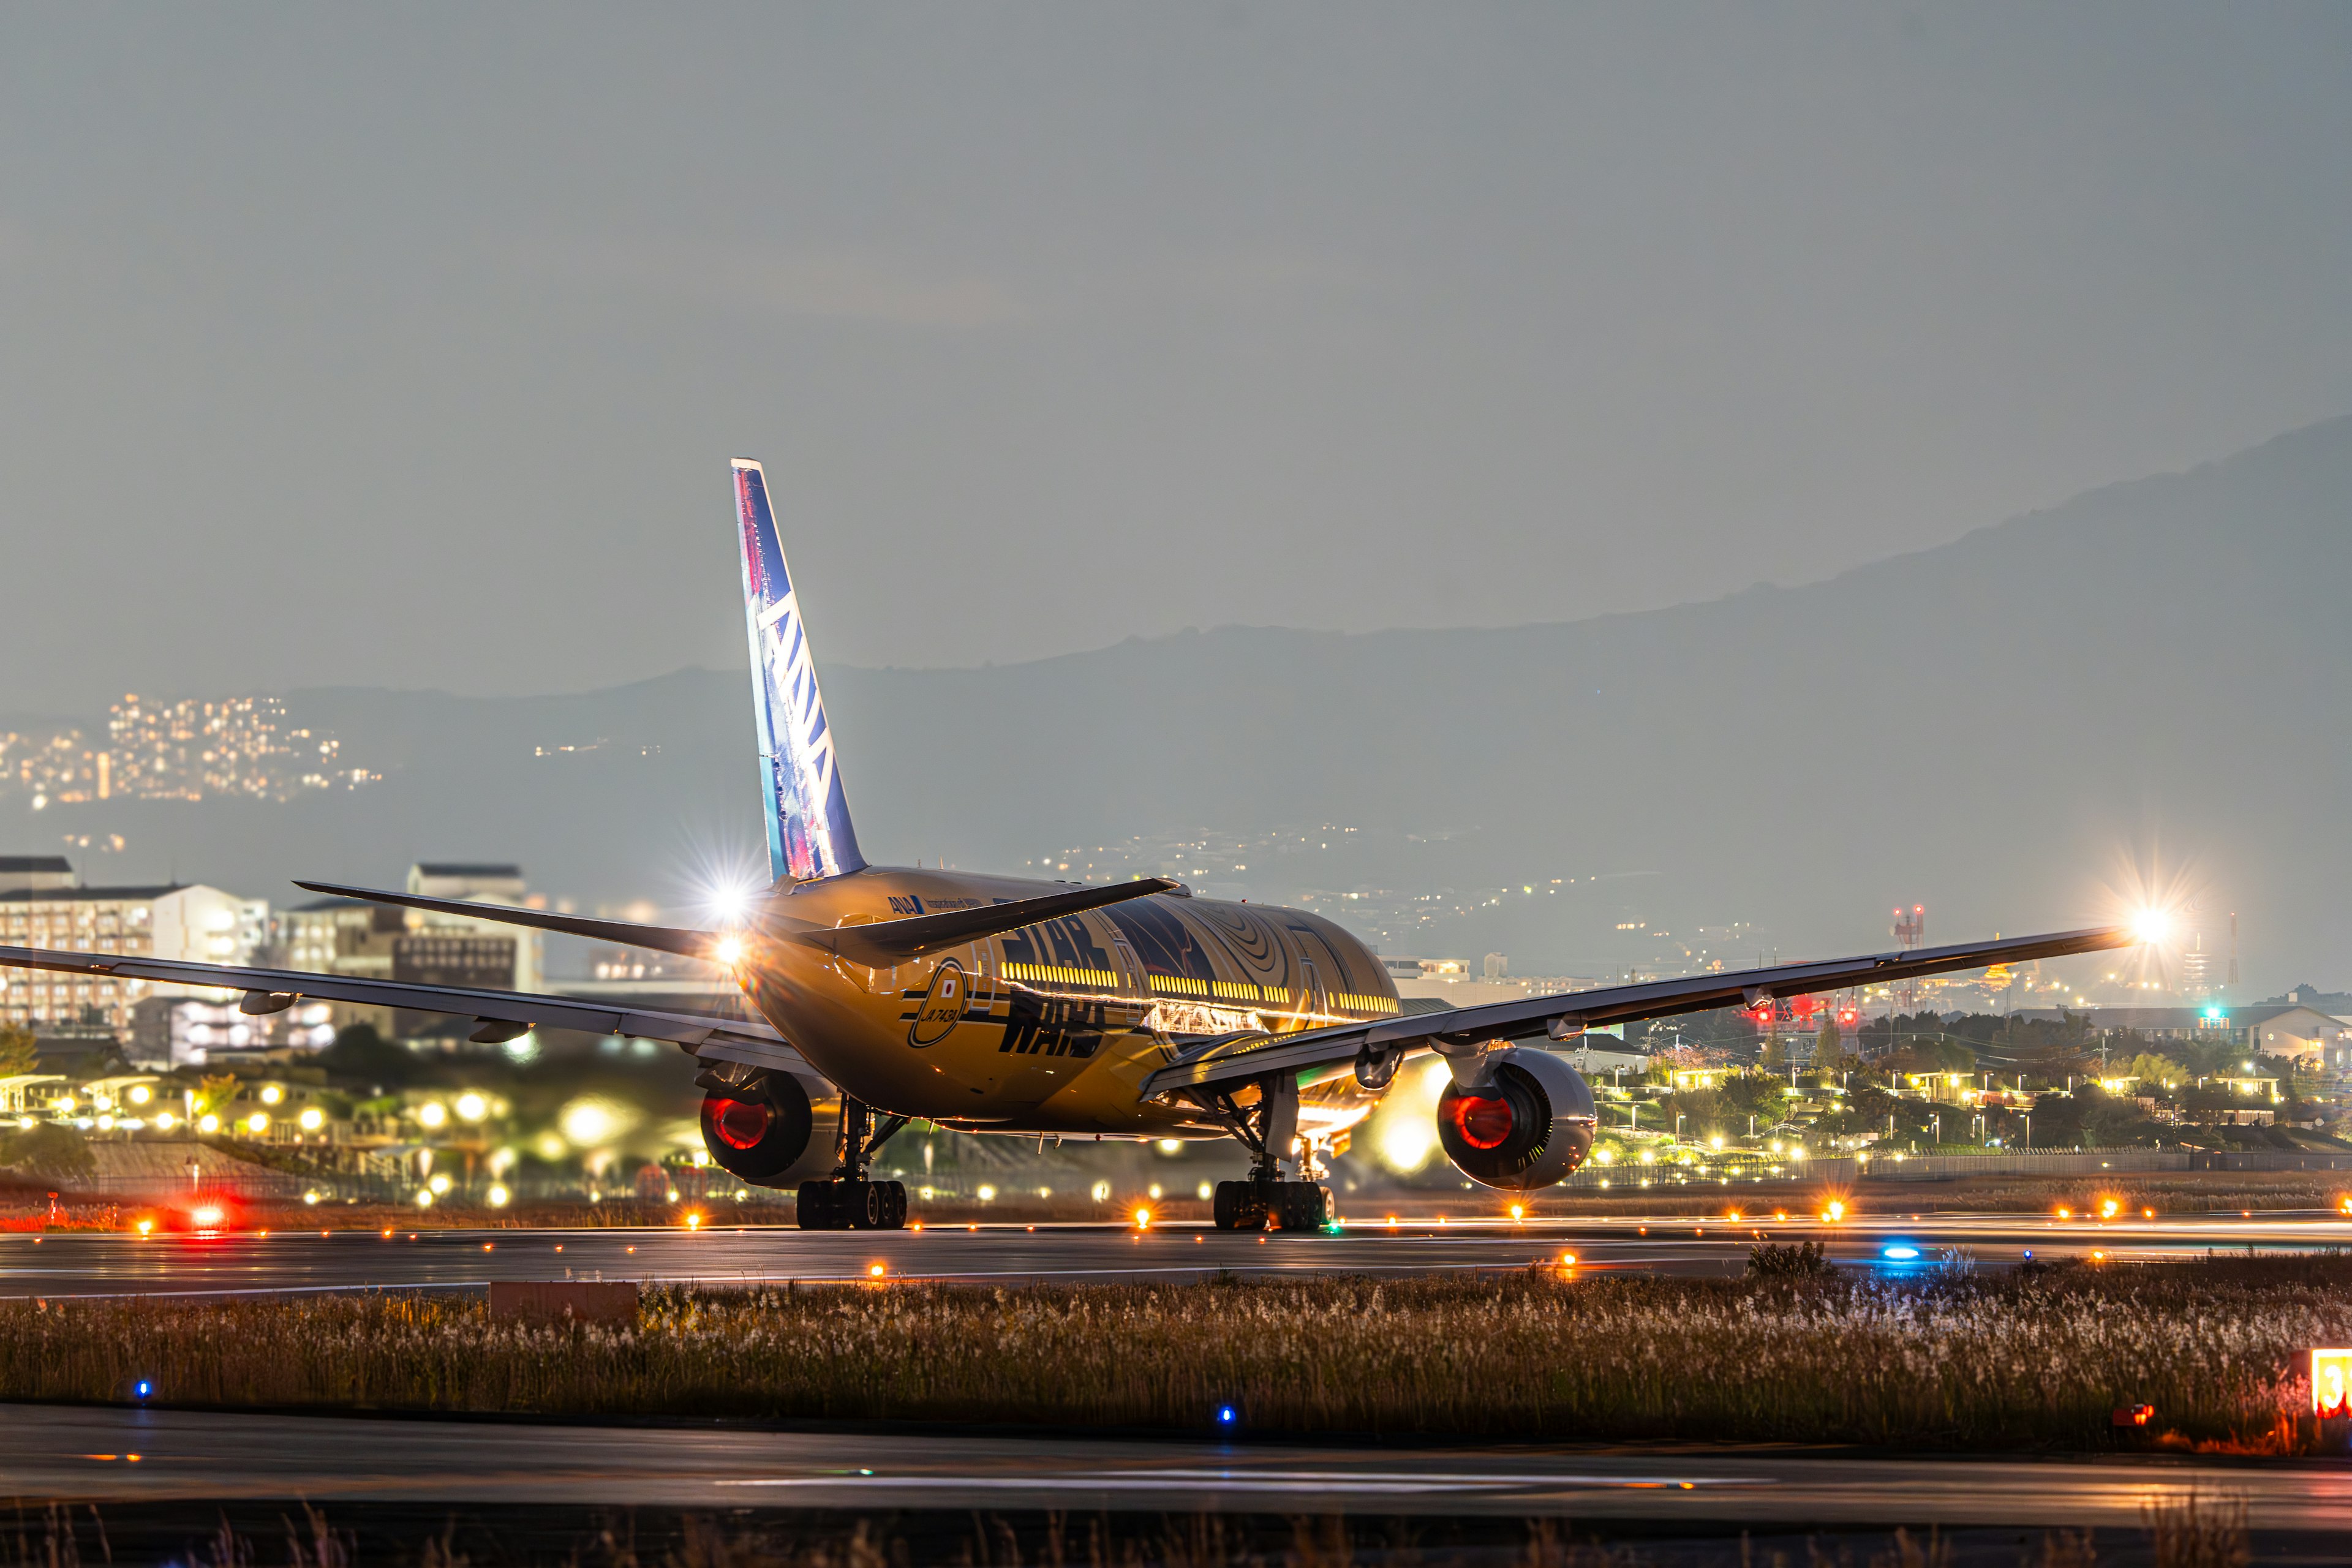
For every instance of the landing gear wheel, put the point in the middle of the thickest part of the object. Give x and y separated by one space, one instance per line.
1303 1205
816 1210
853 1205
1240 1205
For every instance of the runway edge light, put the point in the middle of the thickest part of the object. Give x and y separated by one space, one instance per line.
2331 1383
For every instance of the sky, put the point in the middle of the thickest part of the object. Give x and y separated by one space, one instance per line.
407 345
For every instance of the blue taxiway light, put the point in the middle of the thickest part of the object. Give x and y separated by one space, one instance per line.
1901 1252
1227 1414
144 1388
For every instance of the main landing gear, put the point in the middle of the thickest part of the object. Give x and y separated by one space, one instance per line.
1269 1130
851 1200
1252 1203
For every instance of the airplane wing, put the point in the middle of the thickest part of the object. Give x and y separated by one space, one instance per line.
1230 1061
501 1015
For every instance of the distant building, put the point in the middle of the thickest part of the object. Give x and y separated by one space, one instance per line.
2268 1028
1452 982
36 873
191 1031
386 942
194 923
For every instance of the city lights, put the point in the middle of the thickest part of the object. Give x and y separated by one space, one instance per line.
433 1113
472 1106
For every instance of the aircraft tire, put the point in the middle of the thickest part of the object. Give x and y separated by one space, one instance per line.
817 1208
1240 1205
895 1211
1303 1205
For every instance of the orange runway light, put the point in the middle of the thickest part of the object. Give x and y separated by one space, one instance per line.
2331 1383
387 1236
1143 1219
2107 1209
145 1225
206 1218
694 1222
2098 1256
1519 1212
875 1270
917 1226
485 1246
1833 1212
1567 1260
2147 1213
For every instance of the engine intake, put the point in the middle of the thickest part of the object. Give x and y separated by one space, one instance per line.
1528 1126
769 1132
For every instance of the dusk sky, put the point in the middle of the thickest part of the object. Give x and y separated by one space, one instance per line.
408 345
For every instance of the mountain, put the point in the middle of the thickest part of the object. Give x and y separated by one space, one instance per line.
2153 673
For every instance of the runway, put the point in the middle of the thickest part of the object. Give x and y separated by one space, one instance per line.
71 1264
157 1456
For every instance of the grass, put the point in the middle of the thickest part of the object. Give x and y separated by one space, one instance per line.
2212 1534
1961 1362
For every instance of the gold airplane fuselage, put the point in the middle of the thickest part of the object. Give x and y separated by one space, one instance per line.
1050 1029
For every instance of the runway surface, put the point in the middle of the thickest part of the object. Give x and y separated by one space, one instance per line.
71 1264
150 1455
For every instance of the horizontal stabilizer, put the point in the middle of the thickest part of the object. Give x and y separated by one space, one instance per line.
664 939
891 941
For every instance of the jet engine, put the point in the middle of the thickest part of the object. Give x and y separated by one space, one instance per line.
1528 1125
764 1128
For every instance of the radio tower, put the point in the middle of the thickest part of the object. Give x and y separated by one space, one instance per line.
1909 927
2232 981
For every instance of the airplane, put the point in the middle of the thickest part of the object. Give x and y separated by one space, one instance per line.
1003 1005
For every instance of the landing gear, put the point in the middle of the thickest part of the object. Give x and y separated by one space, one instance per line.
853 1205
1289 1205
851 1200
1269 1130
1240 1205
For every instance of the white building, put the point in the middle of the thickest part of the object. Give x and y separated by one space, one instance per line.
196 923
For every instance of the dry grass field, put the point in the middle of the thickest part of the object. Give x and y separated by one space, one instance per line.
1958 1361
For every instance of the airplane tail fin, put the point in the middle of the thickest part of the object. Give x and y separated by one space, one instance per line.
809 833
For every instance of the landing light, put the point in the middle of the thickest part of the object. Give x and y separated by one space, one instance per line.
2152 926
730 951
206 1218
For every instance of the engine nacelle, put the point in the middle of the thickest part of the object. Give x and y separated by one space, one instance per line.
771 1131
1528 1126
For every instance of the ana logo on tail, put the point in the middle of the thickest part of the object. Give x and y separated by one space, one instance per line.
809 832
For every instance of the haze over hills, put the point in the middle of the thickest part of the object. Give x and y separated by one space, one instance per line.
2155 671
